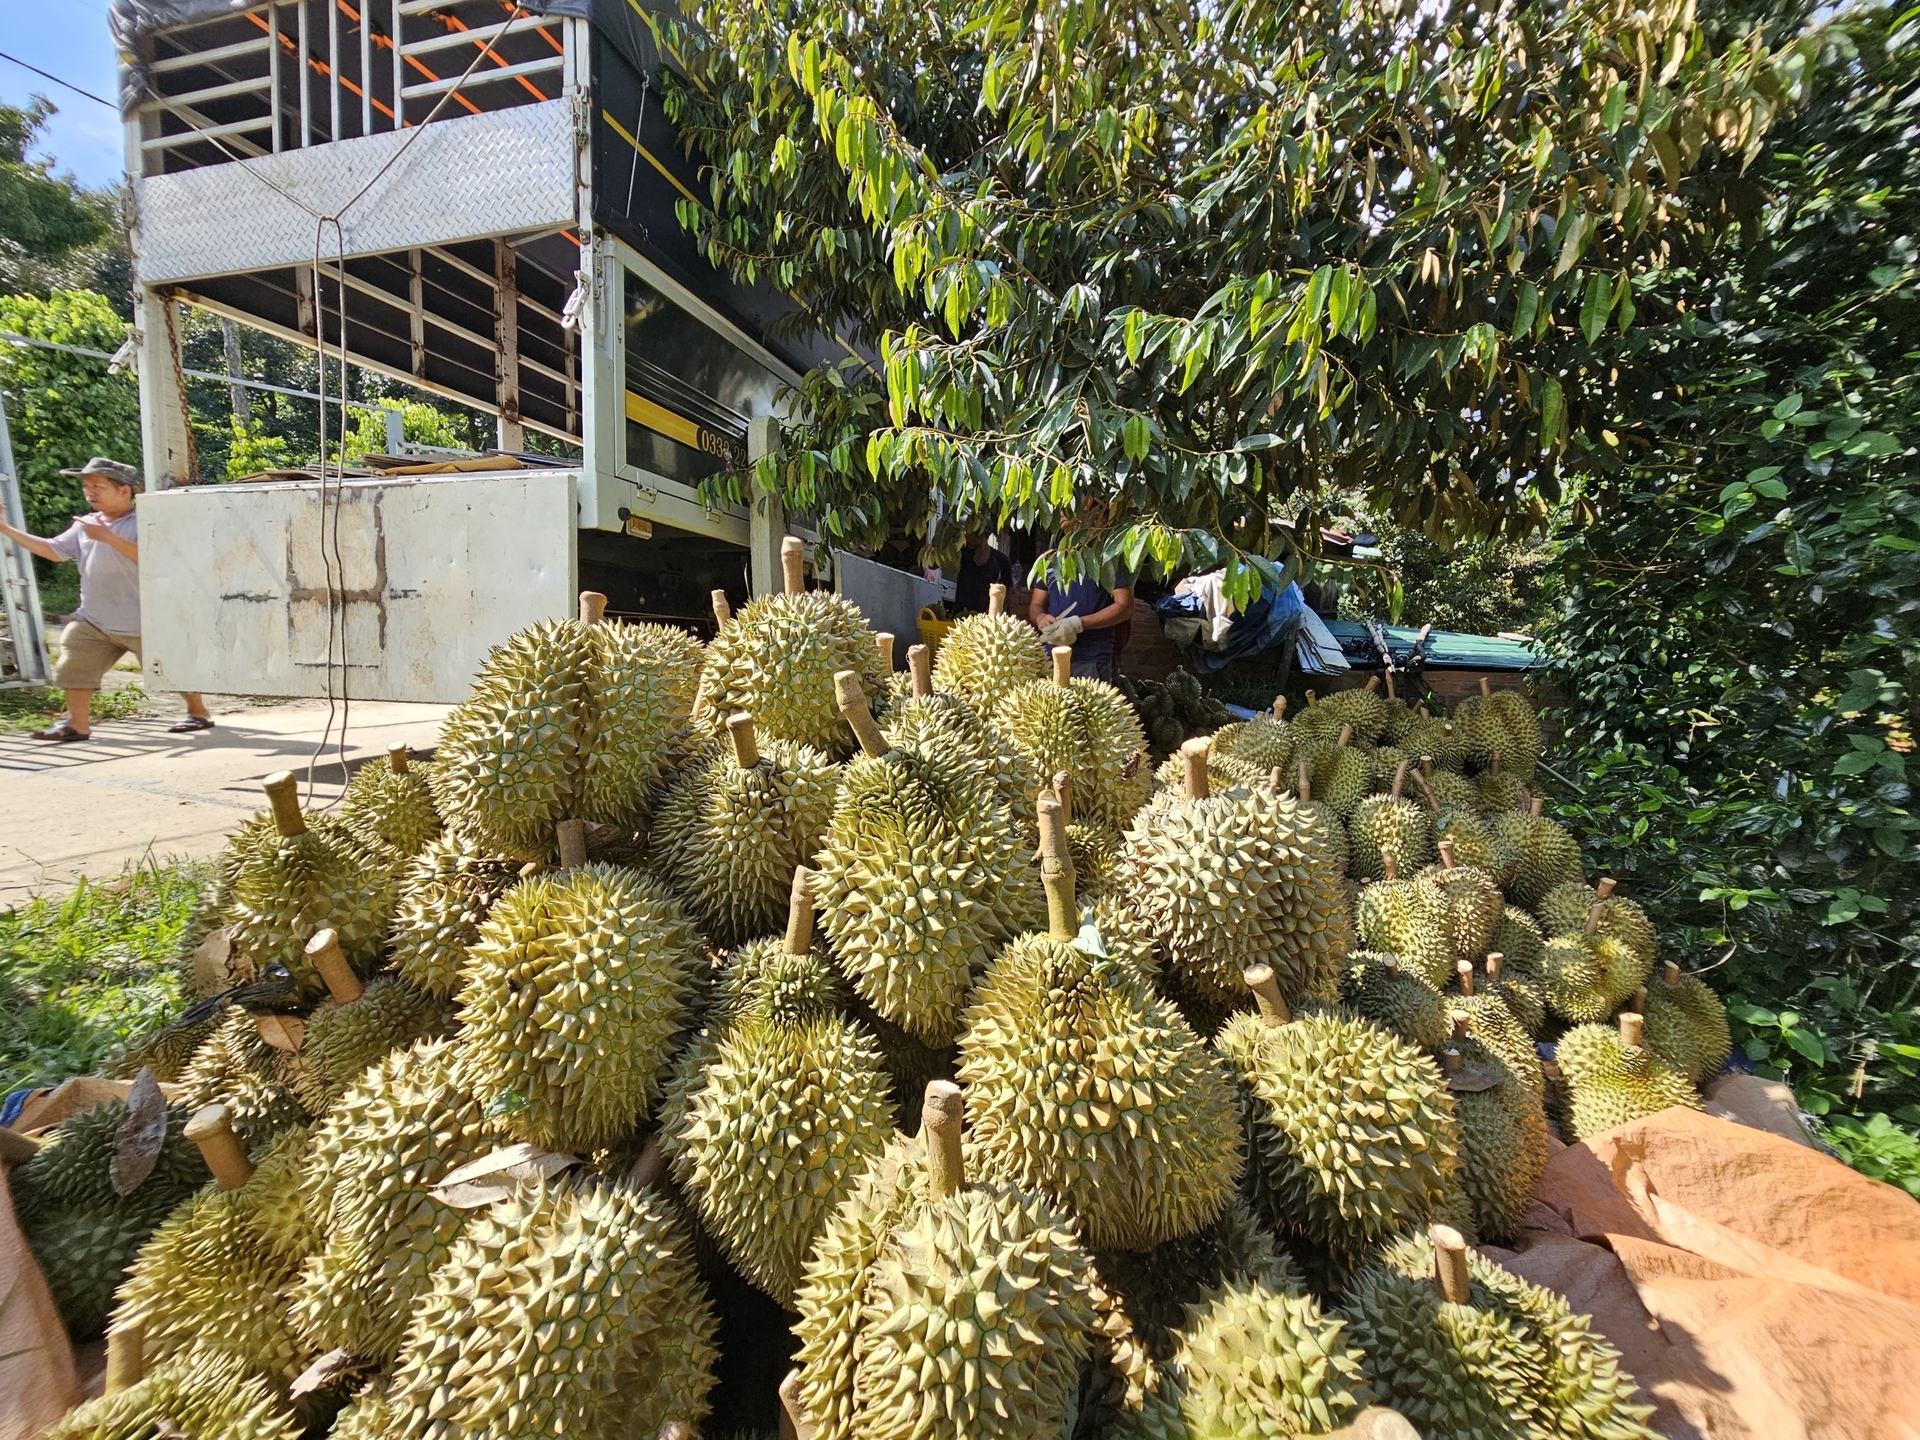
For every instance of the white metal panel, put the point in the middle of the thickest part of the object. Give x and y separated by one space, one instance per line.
429 573
890 599
497 173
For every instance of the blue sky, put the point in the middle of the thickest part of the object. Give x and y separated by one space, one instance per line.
70 39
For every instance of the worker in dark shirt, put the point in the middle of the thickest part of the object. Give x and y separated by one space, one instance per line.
981 566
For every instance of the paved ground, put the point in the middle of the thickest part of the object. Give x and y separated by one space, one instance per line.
134 790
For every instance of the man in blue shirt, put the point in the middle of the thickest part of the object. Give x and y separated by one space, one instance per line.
1083 614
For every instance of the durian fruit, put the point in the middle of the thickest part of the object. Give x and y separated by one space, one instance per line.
1383 763
1474 902
777 659
1567 909
1365 709
1443 742
1332 828
1265 742
1462 1347
166 1049
1341 774
368 1178
84 1210
1086 728
1501 789
1545 855
1518 939
570 1001
1472 839
1686 1024
571 1307
1576 979
921 879
1086 1087
927 719
391 805
985 658
215 1276
1376 988
777 1107
445 892
1255 1360
1387 822
237 1069
566 718
1448 792
1412 919
731 831
938 1309
1400 717
207 1396
316 873
1524 996
1247 877
1622 964
1501 730
1350 1130
1493 1022
1612 1078
356 1026
1503 1135
1223 773
1315 722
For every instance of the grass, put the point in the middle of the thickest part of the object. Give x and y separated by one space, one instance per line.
34 708
59 590
79 975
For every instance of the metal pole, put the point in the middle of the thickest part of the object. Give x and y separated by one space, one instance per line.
242 403
19 587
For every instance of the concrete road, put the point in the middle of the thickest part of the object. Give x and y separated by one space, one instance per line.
133 790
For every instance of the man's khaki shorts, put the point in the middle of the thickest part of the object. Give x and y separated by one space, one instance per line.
86 654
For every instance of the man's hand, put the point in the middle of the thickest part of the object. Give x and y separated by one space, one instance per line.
94 530
1063 631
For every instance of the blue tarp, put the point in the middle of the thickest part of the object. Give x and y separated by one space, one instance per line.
1269 621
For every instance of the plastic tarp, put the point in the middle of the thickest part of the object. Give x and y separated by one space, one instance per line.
1755 1287
1260 626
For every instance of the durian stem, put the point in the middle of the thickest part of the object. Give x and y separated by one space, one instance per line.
324 954
883 642
1462 1024
940 1117
15 1148
1056 871
722 611
1346 736
1305 785
1494 961
1063 664
212 1130
793 565
800 912
1465 969
1426 767
1446 854
1266 994
1279 707
1639 1001
1193 755
1389 866
1536 805
1593 916
1450 1265
1672 972
1630 1023
1277 780
1376 1422
1605 887
1450 1061
126 1355
1313 699
920 667
283 794
531 869
996 599
1390 964
1426 790
793 1420
1373 684
1063 793
1493 765
1390 694
397 759
1421 711
746 749
852 698
1399 778
593 607
572 838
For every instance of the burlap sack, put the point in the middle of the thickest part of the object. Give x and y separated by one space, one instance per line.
37 1381
1754 1286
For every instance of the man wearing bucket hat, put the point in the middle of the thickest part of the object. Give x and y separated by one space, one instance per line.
105 545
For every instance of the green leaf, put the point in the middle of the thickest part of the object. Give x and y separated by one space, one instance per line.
1572 232
1552 412
1788 406
1854 763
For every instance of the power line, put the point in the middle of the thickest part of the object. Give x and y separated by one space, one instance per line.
58 81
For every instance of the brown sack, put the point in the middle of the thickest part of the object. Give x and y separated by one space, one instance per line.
1755 1287
37 1381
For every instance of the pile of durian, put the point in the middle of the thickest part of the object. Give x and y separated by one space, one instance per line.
1038 1092
1173 711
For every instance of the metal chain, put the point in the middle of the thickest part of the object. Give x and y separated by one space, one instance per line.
180 388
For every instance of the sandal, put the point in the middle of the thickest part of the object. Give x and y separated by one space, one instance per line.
62 732
191 725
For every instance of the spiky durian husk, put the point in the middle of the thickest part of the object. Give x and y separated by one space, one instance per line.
1503 1145
1525 998
1350 1131
1515 1362
343 1040
166 1049
1575 978
1413 920
391 1138
1686 1026
1495 1026
1501 724
1504 791
1364 709
1400 720
234 1067
444 893
1381 823
207 1396
1341 775
1314 723
1564 910
1383 761
1086 1087
1223 773
1255 1360
1395 1000
931 722
921 880
643 685
773 1113
729 839
1263 743
1474 904
1473 843
290 886
1245 877
216 1275
776 660
1545 855
1610 1082
367 1416
941 1319
1517 940
984 658
74 1163
570 1000
1447 745
392 810
1088 729
571 1308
